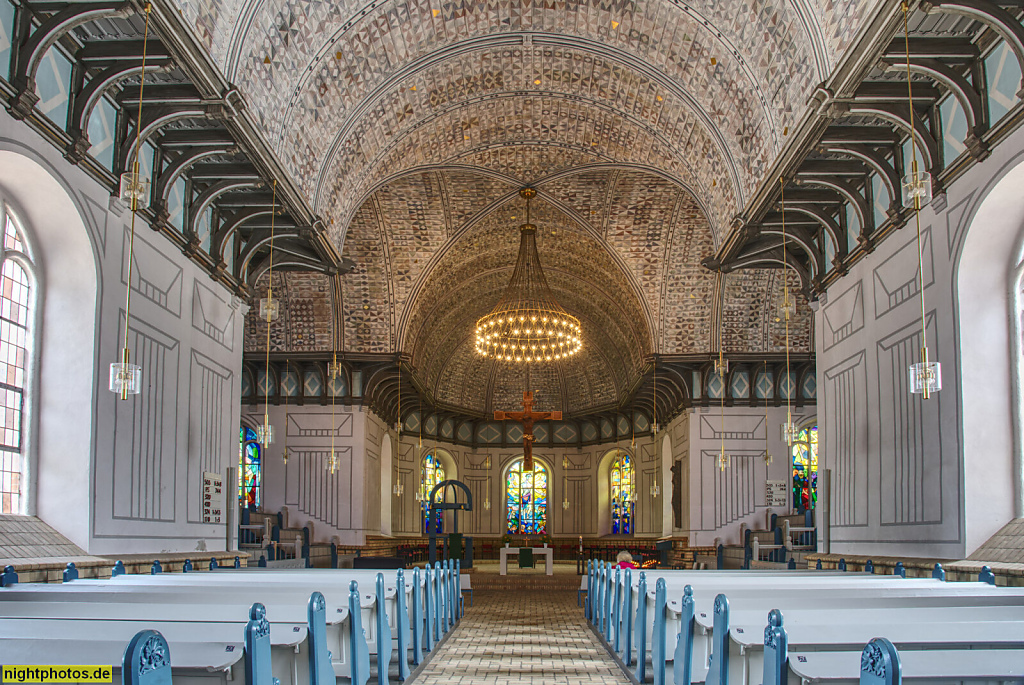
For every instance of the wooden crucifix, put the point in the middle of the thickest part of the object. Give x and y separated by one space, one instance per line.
528 416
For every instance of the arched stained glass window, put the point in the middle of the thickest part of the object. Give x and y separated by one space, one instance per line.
15 319
527 495
250 464
433 473
805 469
623 495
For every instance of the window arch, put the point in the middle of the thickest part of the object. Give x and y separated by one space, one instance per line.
623 494
250 468
17 280
526 493
432 474
805 468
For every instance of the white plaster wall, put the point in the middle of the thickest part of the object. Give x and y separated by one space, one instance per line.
720 501
122 477
337 504
586 514
912 477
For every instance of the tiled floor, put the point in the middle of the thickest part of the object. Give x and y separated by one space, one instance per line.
533 637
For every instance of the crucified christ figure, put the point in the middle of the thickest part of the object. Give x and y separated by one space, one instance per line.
528 417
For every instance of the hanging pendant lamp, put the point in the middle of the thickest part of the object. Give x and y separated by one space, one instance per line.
125 377
528 325
788 308
925 375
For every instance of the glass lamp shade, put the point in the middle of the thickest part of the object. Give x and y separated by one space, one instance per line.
487 504
789 432
723 461
398 489
721 366
134 191
418 496
265 433
332 463
788 307
285 455
768 458
565 504
125 379
333 370
917 189
655 490
925 378
270 309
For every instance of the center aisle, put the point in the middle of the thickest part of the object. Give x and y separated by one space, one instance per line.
522 636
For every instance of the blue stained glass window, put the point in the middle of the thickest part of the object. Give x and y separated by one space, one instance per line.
805 469
526 493
250 464
433 473
623 495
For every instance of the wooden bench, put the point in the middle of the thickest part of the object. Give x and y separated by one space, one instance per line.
280 588
466 586
612 605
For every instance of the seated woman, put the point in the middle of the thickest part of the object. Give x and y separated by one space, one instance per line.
625 560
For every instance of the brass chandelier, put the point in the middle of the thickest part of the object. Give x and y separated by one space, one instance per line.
528 325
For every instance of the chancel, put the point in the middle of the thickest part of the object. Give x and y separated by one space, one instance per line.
685 334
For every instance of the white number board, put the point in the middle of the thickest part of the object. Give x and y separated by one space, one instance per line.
212 497
776 493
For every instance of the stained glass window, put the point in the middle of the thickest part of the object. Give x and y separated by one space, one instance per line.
433 473
527 496
805 469
622 494
250 490
15 289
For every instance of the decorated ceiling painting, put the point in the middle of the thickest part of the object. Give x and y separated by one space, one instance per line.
410 125
433 251
351 94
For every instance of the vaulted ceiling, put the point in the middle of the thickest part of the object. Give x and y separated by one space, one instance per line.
410 125
352 93
621 248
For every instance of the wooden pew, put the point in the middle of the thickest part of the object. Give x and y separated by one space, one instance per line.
283 596
758 587
879 663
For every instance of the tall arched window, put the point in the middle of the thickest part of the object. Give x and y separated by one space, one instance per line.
621 485
805 469
527 495
15 321
250 465
433 473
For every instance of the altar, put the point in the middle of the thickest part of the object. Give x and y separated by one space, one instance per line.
547 552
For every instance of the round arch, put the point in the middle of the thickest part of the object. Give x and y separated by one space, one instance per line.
988 306
451 472
506 466
604 495
66 269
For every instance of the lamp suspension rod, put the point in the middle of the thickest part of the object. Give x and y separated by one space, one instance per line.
917 197
135 205
785 302
270 302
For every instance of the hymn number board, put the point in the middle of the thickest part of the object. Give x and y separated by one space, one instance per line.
776 493
212 486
